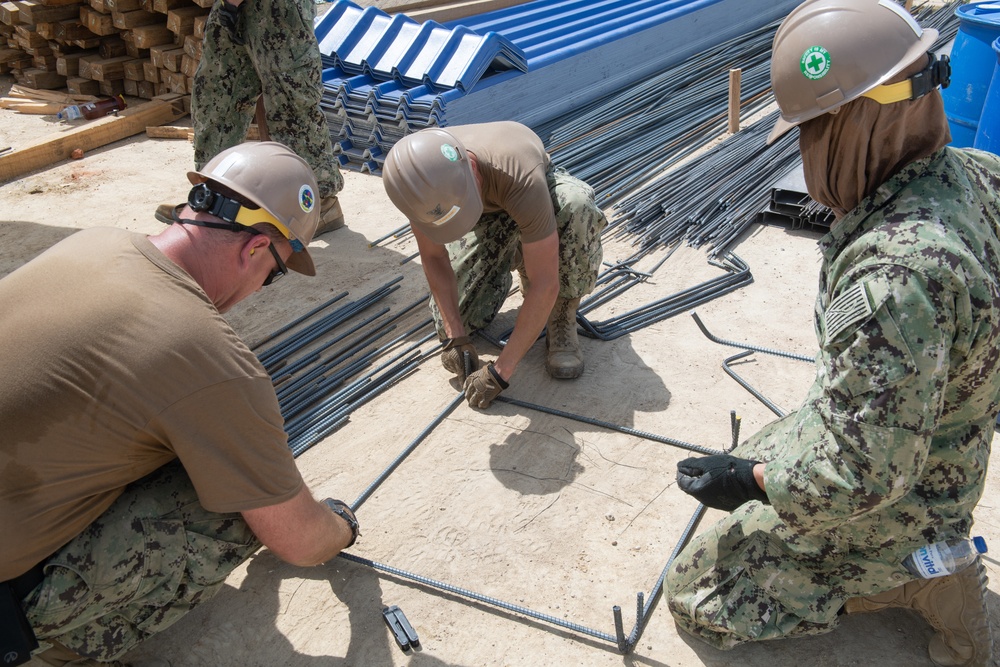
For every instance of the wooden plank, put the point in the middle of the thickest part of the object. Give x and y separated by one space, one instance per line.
38 108
33 11
189 66
147 90
180 21
10 12
39 78
192 46
80 86
134 18
113 47
131 87
134 69
172 59
101 132
150 72
160 51
148 36
164 6
71 29
112 87
109 69
124 5
176 82
97 23
170 132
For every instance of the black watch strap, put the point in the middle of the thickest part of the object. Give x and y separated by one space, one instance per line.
344 511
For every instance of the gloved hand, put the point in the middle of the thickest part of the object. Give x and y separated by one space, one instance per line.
720 481
344 511
453 357
483 386
230 20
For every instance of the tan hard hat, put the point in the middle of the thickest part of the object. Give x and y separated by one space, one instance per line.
829 52
271 176
427 175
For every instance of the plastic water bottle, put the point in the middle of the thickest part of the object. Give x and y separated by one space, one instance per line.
943 558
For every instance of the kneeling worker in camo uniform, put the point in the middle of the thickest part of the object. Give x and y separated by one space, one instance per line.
889 449
484 200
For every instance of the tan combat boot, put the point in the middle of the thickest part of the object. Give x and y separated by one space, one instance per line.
955 606
168 214
565 360
330 216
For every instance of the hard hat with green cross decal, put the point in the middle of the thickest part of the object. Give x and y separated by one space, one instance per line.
829 52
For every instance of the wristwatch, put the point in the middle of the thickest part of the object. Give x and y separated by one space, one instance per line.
344 511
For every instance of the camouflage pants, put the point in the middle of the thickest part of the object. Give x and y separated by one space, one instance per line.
280 59
737 582
484 258
154 555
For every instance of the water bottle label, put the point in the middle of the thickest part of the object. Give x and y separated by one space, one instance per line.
930 561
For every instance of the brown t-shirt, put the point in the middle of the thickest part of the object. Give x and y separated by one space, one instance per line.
513 163
115 362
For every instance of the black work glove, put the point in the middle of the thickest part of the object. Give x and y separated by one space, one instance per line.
230 20
453 357
483 386
720 481
344 511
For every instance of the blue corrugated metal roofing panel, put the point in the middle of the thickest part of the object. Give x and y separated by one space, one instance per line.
369 41
574 51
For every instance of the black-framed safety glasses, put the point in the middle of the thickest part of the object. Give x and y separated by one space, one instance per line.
275 274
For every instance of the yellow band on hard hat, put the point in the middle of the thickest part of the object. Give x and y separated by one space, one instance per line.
250 217
890 93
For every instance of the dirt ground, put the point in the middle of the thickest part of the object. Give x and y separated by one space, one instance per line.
561 517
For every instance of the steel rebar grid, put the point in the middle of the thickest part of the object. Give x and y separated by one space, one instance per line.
643 611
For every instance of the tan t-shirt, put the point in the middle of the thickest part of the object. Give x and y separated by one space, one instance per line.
513 163
113 363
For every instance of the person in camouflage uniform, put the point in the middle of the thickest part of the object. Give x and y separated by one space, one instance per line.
889 450
483 201
144 456
254 47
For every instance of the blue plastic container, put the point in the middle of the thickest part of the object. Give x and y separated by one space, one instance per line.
988 133
972 63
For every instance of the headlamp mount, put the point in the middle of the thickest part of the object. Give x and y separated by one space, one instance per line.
937 73
204 199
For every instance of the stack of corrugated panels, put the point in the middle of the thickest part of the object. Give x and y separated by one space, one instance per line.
791 206
575 51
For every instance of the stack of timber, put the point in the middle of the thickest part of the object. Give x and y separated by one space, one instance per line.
141 48
31 101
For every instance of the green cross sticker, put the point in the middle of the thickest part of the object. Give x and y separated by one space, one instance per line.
449 152
815 62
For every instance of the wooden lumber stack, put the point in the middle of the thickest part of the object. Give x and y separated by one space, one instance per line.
140 48
31 101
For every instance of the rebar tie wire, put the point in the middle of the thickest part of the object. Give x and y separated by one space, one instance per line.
644 606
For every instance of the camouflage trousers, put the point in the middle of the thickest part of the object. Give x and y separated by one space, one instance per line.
153 556
484 259
280 59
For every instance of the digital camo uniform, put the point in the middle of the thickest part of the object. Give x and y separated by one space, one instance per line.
171 555
484 258
281 58
890 449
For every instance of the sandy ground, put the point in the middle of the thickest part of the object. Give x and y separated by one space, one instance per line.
558 516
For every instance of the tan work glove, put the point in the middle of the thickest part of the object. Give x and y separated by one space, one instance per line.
483 386
453 357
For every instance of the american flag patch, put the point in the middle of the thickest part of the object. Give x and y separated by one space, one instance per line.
849 308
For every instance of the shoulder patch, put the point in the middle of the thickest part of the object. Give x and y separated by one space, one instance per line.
849 308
